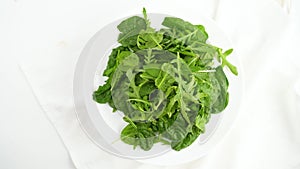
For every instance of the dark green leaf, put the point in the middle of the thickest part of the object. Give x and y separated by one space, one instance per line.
130 29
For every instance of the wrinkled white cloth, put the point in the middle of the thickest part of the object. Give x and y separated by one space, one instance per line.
266 134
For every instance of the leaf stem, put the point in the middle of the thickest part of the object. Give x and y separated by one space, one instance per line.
127 119
140 100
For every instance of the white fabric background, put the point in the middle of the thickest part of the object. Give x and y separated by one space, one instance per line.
50 37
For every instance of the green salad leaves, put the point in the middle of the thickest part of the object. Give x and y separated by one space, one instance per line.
166 82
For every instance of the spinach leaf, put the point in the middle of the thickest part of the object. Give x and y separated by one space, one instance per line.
103 94
130 29
222 101
139 134
184 31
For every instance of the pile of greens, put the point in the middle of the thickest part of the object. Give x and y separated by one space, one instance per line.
166 82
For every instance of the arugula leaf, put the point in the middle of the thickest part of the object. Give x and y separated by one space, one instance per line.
225 62
112 62
149 38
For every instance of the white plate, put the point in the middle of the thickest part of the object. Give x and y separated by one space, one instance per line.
103 127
